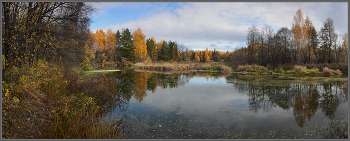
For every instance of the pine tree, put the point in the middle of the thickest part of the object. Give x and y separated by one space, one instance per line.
127 48
152 49
164 52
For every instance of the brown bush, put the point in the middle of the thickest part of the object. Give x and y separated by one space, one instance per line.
168 66
261 68
299 68
244 68
226 69
204 67
338 72
327 72
191 66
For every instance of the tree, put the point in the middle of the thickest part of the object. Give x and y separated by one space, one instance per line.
210 54
54 31
140 47
171 45
175 52
118 45
197 54
127 48
164 52
284 34
252 42
216 56
308 36
314 41
297 31
328 37
152 48
345 47
88 55
111 41
206 55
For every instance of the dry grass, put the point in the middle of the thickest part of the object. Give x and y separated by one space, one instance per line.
165 66
204 67
251 68
245 68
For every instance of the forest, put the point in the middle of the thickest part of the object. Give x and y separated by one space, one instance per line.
58 32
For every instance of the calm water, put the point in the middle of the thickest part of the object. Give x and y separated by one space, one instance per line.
212 105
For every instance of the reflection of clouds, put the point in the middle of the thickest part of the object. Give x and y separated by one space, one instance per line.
218 104
218 107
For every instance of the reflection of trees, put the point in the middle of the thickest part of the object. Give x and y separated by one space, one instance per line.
305 97
125 83
136 84
305 103
106 93
140 86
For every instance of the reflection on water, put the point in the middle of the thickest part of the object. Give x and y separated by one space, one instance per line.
214 105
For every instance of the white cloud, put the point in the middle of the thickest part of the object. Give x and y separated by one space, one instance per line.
228 22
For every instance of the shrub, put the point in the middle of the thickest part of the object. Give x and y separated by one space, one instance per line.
327 72
299 68
338 72
139 65
191 66
314 71
226 69
290 72
148 60
168 66
205 67
261 68
244 68
280 70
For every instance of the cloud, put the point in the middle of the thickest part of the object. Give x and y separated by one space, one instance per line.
227 22
213 45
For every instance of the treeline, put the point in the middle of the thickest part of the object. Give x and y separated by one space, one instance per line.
136 48
54 31
301 44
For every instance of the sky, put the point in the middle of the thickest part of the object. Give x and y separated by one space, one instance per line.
220 25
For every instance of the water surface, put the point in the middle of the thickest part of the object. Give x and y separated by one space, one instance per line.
213 105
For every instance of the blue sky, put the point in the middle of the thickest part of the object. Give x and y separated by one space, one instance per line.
220 25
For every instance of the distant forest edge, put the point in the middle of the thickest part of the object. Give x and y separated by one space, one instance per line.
59 32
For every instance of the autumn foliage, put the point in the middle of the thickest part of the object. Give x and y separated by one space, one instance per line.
140 44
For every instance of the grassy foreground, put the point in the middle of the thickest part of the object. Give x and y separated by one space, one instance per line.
47 100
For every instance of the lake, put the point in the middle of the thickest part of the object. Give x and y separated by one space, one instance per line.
228 106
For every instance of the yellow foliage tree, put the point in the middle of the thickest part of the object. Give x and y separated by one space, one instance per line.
206 55
210 54
88 55
111 41
155 42
197 58
297 30
140 44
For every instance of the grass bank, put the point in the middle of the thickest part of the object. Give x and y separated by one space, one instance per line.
47 100
298 70
178 66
